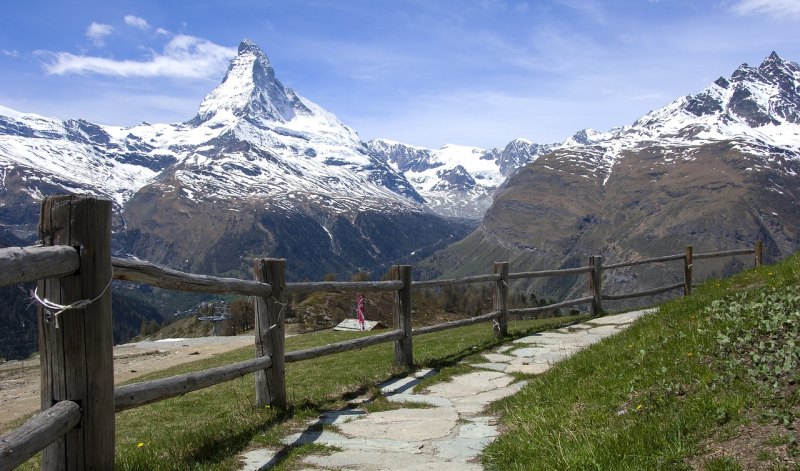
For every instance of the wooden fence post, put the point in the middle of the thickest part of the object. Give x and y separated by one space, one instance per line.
270 332
687 271
403 348
595 284
501 298
759 253
76 345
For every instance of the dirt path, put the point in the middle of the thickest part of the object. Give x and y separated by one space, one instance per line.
19 381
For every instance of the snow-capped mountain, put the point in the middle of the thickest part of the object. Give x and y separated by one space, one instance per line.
259 169
456 180
716 170
758 107
39 153
290 143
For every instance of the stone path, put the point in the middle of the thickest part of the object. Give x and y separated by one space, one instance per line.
444 427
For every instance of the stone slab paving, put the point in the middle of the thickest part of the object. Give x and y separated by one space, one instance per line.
451 430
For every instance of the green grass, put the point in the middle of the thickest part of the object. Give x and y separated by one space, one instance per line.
659 394
208 429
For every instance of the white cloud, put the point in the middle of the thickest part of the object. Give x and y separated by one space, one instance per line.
9 53
183 57
776 8
163 32
136 22
97 32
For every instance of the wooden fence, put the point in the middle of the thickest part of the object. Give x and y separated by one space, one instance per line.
74 269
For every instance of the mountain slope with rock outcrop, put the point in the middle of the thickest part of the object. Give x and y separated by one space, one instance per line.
717 170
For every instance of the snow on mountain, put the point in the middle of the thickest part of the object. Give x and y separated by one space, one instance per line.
252 139
457 180
758 107
74 155
259 171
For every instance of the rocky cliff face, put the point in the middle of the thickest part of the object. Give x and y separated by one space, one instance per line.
717 170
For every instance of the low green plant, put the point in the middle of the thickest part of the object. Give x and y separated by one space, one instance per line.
651 397
758 335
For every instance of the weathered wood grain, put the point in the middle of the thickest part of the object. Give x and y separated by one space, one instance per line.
338 286
76 347
139 394
527 311
501 298
639 294
543 273
26 264
455 281
666 258
347 345
687 270
724 253
270 313
167 278
596 284
459 323
403 348
20 444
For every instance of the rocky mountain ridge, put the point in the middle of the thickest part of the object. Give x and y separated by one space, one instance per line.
259 171
458 181
716 170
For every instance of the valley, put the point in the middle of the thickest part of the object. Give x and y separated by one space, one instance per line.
261 171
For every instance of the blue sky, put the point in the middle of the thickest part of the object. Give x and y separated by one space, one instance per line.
473 72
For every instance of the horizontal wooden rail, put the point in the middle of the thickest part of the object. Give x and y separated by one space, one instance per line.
560 272
26 264
456 281
666 258
355 344
163 277
20 444
724 253
650 292
459 323
336 286
536 310
139 394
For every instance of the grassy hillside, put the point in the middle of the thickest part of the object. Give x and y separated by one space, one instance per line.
708 383
207 429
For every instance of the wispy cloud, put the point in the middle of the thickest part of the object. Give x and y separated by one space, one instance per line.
9 53
136 22
776 8
183 56
97 32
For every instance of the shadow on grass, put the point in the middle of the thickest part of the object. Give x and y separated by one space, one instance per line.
225 444
228 443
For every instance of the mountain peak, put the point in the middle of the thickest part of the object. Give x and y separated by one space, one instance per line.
772 58
248 46
250 90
